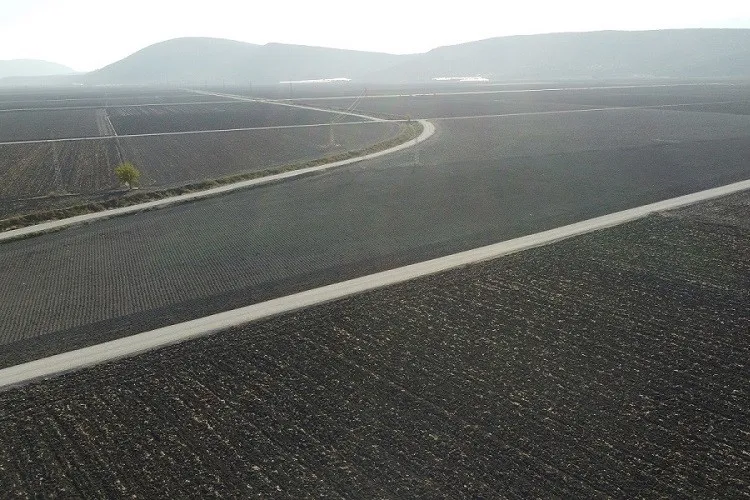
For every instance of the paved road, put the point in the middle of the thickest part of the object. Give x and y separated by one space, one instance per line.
146 341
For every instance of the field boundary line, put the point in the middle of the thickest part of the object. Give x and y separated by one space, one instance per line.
161 337
369 120
511 91
142 105
428 129
189 132
288 105
655 107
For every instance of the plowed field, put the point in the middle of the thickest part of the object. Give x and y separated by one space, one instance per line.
610 365
48 124
490 100
216 116
477 182
34 176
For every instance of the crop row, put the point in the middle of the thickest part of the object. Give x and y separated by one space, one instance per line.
613 364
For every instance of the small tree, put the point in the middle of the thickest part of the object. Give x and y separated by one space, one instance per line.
127 174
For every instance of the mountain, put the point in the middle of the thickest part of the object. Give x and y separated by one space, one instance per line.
213 60
603 54
690 53
32 67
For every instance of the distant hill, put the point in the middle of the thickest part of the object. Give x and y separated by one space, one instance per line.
604 54
212 60
32 67
691 53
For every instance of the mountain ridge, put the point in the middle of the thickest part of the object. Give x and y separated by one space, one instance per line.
686 53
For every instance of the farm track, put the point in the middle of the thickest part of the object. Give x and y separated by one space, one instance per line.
613 364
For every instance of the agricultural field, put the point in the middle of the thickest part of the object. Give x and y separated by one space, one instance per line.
489 100
52 124
615 364
84 97
214 116
43 175
175 159
48 173
430 106
476 182
303 91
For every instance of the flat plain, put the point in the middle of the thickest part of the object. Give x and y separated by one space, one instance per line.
491 100
45 171
49 124
477 181
214 116
613 364
39 98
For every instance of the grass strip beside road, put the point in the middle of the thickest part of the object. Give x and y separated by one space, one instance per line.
410 131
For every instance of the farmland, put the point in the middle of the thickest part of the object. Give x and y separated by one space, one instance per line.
215 116
84 97
174 159
32 175
489 100
40 174
41 125
476 182
49 175
610 365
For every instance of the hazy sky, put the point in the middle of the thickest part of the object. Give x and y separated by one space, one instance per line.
87 34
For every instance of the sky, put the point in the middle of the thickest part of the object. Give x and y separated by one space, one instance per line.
88 34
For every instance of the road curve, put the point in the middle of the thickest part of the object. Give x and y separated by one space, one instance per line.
135 344
428 129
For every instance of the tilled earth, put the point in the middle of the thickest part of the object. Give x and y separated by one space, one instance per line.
610 365
474 183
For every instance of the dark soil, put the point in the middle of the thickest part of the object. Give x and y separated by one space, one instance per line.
29 182
615 364
477 182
